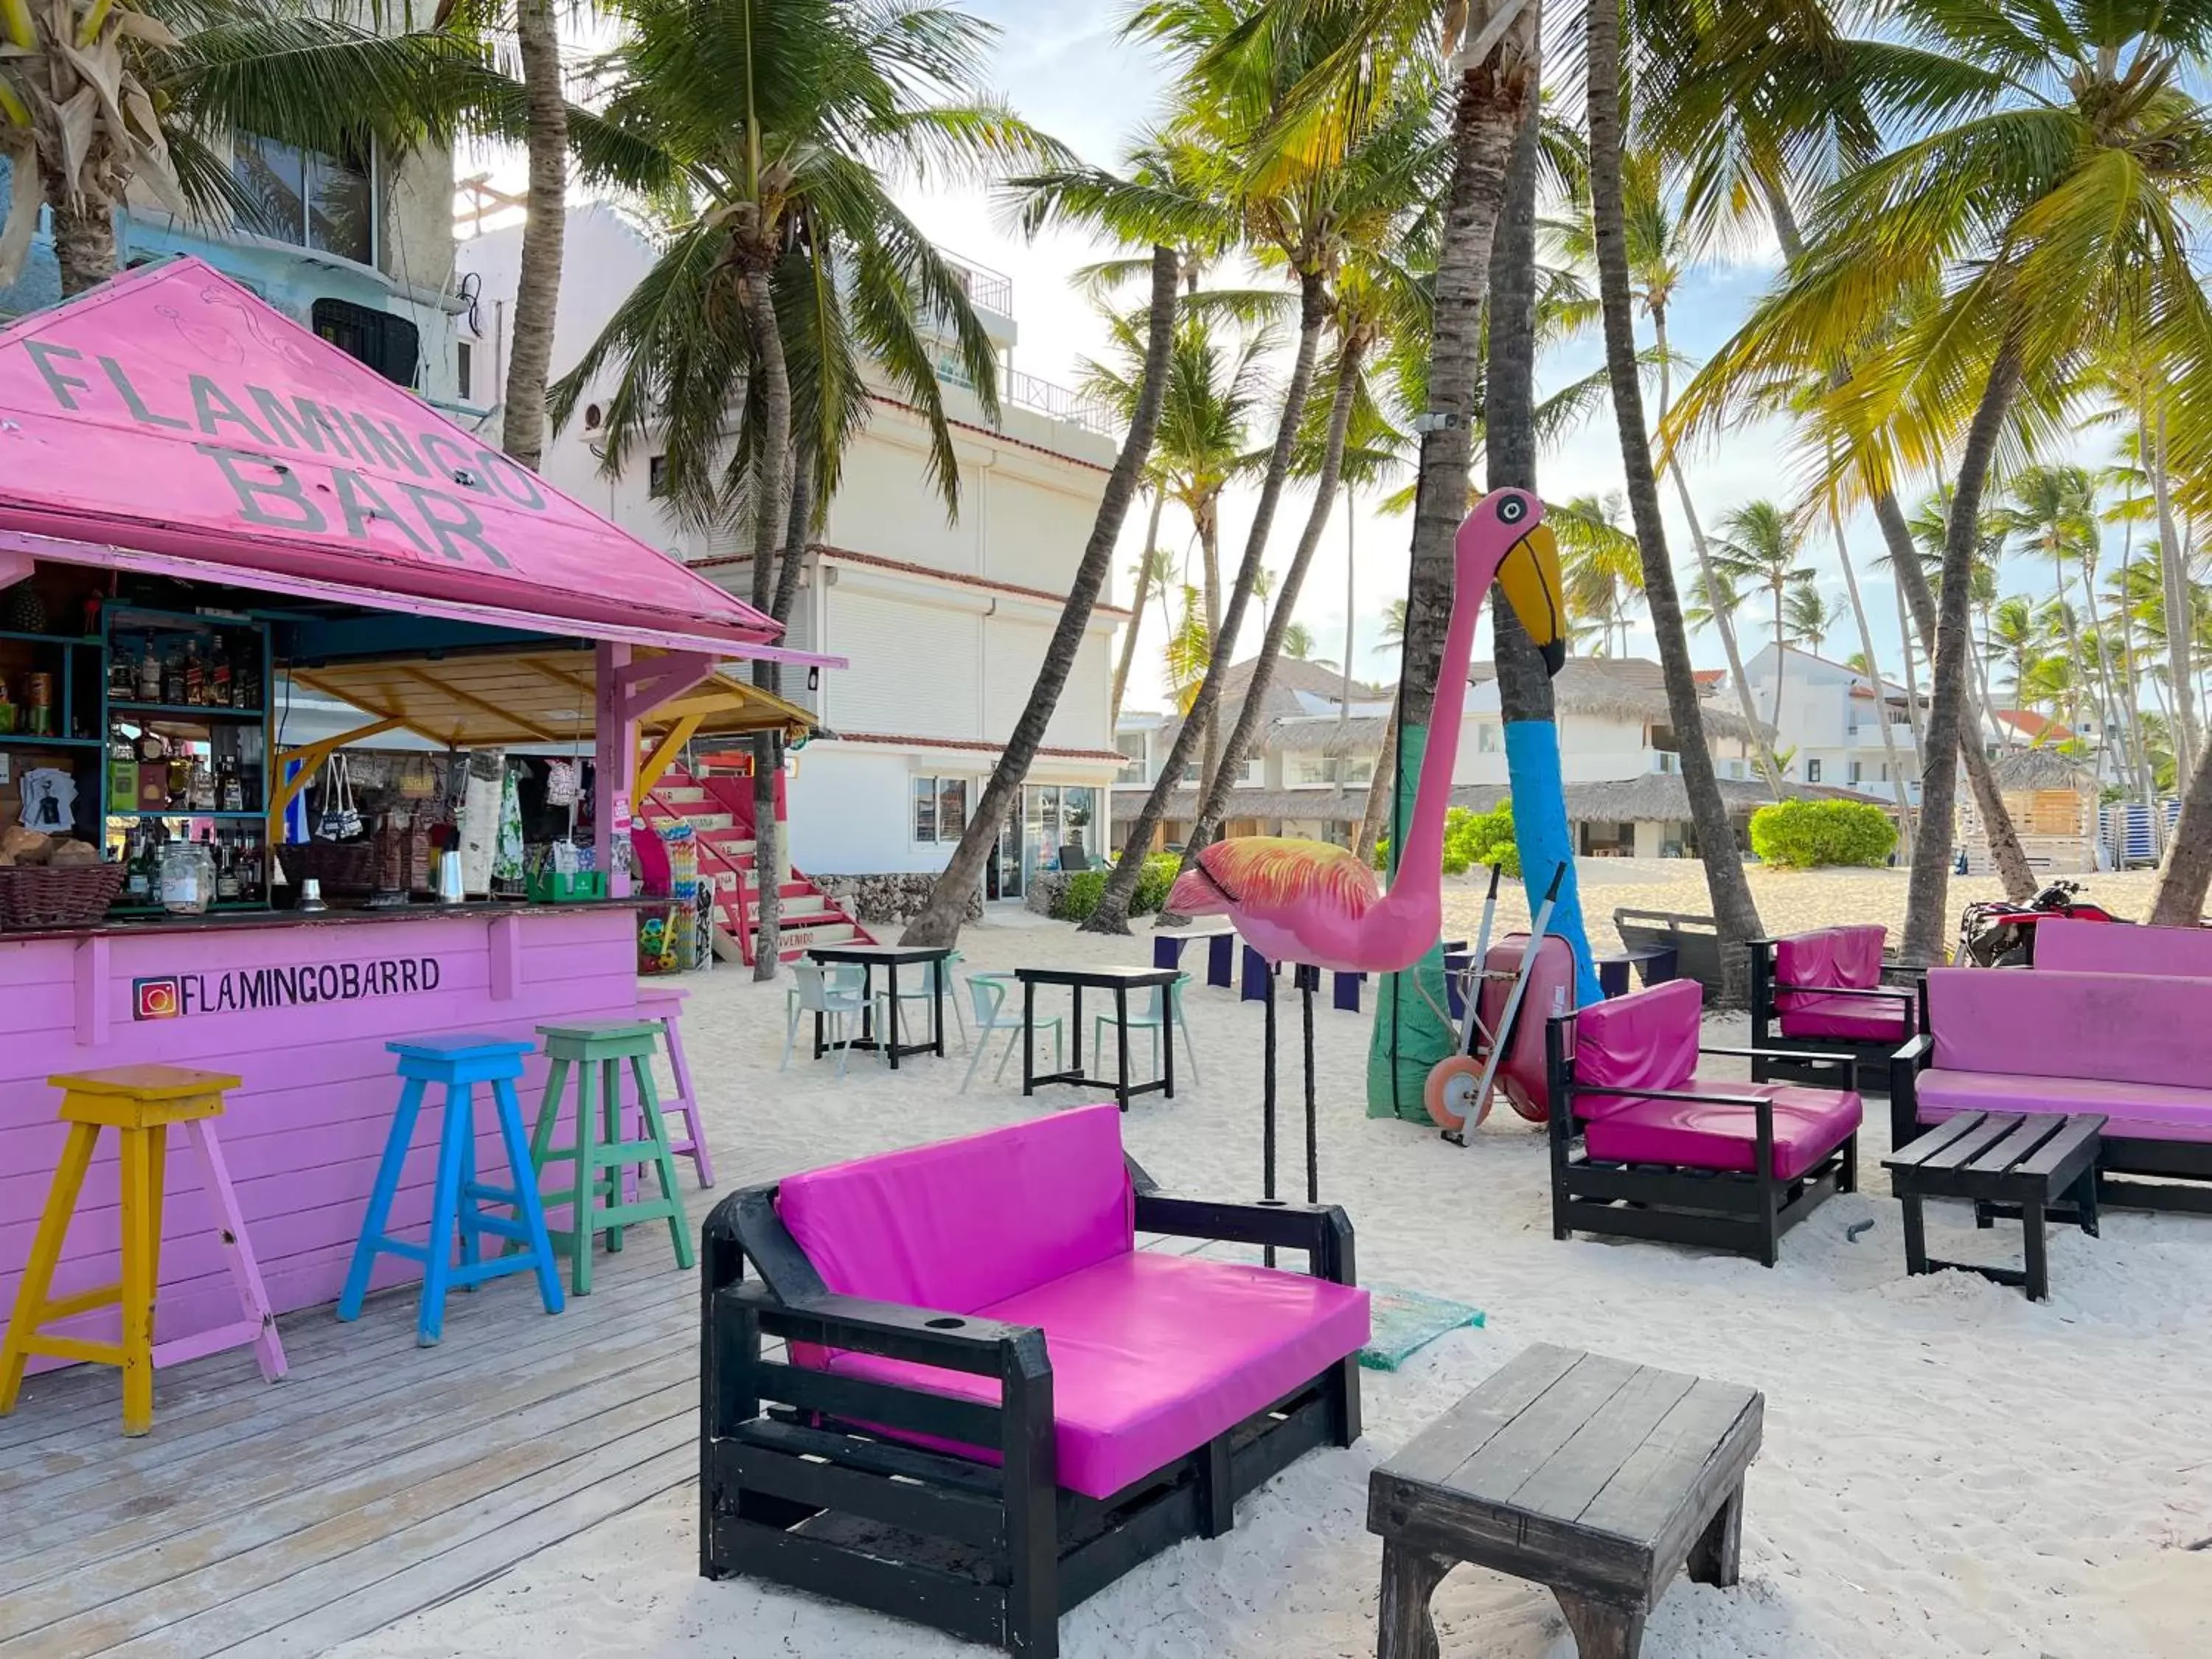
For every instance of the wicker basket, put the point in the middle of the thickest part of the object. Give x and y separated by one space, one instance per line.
56 896
346 868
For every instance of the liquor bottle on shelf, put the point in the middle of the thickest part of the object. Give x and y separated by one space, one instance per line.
205 797
138 867
195 676
229 785
149 673
227 860
122 674
173 679
246 676
220 683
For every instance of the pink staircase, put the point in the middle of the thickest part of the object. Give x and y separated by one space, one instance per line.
720 809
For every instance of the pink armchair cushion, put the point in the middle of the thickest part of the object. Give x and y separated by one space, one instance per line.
2145 1111
963 1224
2102 947
1849 1019
1153 1355
1808 1125
2121 1027
1646 1040
1832 959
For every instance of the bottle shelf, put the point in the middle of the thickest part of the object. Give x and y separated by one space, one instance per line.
88 642
185 711
185 812
32 740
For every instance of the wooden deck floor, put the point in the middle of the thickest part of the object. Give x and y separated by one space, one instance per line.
378 1479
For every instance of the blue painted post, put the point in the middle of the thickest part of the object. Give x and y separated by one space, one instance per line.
1540 830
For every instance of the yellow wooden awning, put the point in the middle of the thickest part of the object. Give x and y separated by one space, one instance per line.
497 700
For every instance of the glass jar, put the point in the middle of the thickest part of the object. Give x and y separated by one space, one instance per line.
187 878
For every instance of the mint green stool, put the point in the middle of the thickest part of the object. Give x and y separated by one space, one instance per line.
596 1053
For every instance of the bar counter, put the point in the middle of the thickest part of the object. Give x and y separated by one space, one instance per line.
299 1007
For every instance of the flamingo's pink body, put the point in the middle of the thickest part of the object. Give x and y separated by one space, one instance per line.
1311 902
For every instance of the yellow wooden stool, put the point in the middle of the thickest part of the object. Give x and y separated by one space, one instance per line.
139 1103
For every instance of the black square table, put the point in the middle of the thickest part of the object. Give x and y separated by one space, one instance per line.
1118 980
2028 1164
890 958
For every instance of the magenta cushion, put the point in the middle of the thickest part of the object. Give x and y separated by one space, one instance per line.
2103 947
1645 1040
1848 1019
2147 1111
1808 1125
1833 958
962 1223
1153 1355
2126 1028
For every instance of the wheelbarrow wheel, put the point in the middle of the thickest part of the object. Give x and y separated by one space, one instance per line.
1449 1093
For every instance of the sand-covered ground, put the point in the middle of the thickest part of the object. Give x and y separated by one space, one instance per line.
1947 1470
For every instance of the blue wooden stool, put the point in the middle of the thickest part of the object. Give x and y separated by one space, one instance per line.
458 1216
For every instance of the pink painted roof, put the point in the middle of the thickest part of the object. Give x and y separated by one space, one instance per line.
171 413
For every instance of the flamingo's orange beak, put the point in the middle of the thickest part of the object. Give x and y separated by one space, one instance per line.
1530 580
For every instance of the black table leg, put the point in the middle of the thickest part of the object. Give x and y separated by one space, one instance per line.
1121 1041
2038 1265
891 1042
1268 1106
818 1032
1167 1039
938 971
1075 1037
2084 1201
1029 1036
1309 979
1916 1237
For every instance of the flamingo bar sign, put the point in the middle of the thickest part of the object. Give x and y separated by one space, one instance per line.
172 412
240 990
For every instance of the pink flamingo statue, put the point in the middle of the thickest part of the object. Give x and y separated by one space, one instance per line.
1309 901
1316 904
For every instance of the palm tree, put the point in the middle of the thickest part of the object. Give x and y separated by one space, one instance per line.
1811 617
2036 202
1298 644
1304 209
1599 564
544 230
2022 634
1761 547
95 99
1382 787
2051 509
779 128
940 918
1734 913
1150 573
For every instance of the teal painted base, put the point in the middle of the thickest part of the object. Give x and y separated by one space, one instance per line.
1412 1033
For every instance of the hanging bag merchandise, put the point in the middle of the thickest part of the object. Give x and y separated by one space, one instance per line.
341 819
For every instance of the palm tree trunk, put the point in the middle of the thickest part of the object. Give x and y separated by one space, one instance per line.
1874 669
797 528
1762 746
537 283
1136 609
1928 892
1350 595
1734 913
1218 650
1112 914
2187 871
1527 709
1213 800
772 477
84 244
2005 852
1911 671
939 920
1380 789
2174 566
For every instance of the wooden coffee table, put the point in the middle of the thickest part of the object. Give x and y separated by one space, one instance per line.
1598 1478
2027 1164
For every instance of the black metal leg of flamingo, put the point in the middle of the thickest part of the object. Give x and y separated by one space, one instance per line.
1310 982
1267 1105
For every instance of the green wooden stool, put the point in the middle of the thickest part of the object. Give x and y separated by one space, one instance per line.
596 1052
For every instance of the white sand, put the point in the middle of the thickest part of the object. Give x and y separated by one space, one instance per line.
1947 1470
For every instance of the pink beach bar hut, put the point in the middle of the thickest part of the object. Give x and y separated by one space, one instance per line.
170 446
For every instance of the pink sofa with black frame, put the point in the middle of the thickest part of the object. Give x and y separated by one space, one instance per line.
980 1354
2136 1048
1666 1154
1824 992
2066 945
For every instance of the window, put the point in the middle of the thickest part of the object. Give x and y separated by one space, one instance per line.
1304 767
656 476
940 808
1813 771
308 199
1356 769
388 345
1133 747
464 367
1489 738
1855 772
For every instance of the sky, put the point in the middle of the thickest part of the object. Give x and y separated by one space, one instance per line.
1062 66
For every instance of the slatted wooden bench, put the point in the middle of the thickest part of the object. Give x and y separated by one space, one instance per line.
2027 1164
1598 1478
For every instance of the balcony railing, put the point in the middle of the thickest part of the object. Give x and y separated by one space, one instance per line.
994 290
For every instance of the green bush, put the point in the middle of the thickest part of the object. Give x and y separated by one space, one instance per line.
1080 892
1470 838
1801 835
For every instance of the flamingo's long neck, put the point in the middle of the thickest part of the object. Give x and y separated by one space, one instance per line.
1421 862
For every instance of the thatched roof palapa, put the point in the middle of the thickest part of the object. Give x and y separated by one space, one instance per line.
2041 768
